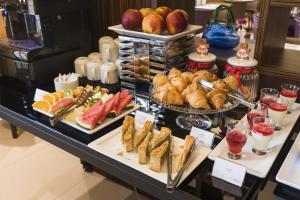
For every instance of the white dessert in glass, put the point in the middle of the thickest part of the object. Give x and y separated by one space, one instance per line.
289 93
262 133
277 112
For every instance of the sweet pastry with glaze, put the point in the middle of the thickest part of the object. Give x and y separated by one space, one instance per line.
141 134
188 144
128 121
220 85
232 82
171 97
179 83
188 77
191 88
160 79
174 73
197 99
205 75
217 98
157 156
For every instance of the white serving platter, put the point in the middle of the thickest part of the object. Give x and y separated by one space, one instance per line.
106 121
111 146
289 172
163 37
259 165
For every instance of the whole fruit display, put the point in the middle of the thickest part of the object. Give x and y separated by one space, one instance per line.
154 24
176 22
163 11
146 11
132 20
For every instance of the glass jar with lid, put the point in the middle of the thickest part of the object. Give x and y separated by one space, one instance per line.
244 69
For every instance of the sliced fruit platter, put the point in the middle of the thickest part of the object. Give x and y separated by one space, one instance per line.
98 111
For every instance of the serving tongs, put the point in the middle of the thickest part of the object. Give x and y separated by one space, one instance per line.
80 100
231 94
172 183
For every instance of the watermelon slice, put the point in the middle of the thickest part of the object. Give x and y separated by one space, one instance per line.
113 113
125 99
63 103
109 106
90 118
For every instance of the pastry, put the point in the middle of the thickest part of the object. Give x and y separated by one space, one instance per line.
205 75
220 85
188 144
157 139
245 91
197 99
217 98
128 138
174 73
142 149
188 77
179 83
160 79
157 156
167 96
191 88
128 121
141 134
232 82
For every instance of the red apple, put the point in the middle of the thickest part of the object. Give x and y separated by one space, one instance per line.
146 11
184 13
163 11
132 20
153 23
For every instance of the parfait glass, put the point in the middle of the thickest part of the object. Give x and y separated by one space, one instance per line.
268 95
289 92
261 111
277 111
236 139
262 133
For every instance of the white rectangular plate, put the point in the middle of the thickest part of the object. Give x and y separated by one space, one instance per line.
164 37
259 165
289 173
106 121
111 146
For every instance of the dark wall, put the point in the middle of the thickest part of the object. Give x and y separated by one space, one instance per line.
108 12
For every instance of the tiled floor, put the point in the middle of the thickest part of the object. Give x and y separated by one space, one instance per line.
31 168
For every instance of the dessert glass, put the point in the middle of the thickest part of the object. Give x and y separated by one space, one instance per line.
268 95
261 111
262 133
277 112
236 139
289 92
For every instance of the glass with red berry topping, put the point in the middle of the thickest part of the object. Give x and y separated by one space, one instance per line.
289 92
268 95
261 111
262 133
236 139
277 112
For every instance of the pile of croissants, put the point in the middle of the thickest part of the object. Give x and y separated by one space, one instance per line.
178 87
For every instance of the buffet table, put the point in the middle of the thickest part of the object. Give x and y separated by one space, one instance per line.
15 107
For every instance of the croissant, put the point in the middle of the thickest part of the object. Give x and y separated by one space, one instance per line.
232 82
245 91
173 73
206 75
169 97
160 79
191 88
188 77
197 99
167 86
217 98
220 85
179 83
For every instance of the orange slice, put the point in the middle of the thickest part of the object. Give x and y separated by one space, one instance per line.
50 98
57 96
42 105
61 92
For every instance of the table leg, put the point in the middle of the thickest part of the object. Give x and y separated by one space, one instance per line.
14 131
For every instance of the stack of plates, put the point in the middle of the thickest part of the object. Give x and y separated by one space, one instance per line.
297 27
